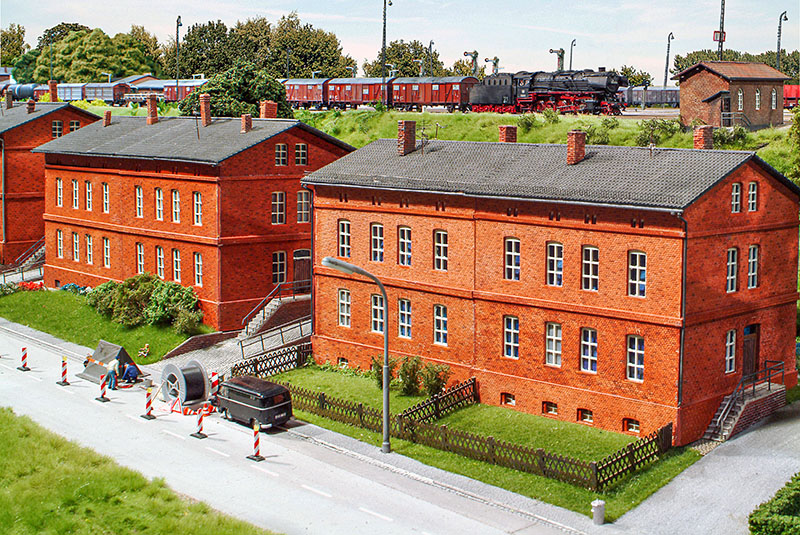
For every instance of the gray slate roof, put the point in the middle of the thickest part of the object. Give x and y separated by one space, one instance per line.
18 114
620 176
173 138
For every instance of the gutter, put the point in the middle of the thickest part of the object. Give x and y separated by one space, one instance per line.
3 172
683 306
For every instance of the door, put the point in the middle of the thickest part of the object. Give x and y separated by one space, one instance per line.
302 270
750 350
726 108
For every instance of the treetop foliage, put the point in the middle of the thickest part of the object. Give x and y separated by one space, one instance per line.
12 44
402 54
55 34
636 77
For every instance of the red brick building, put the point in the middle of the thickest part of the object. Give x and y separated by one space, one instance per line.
213 203
727 93
617 286
25 126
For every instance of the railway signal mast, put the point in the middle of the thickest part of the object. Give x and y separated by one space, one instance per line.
560 53
720 36
474 62
495 61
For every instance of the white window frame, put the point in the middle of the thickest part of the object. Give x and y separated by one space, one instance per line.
76 195
378 307
59 192
139 257
344 307
637 274
440 325
586 416
588 350
774 103
550 407
758 99
404 318
634 370
198 269
632 425
344 238
160 261
303 206
159 197
106 201
440 246
278 267
736 198
300 154
176 265
590 268
555 264
106 252
281 154
278 208
752 267
139 195
404 246
752 197
76 247
197 208
511 337
88 185
89 251
176 206
740 99
553 344
732 270
376 242
730 351
513 259
59 243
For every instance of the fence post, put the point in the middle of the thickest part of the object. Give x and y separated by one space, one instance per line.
436 412
540 461
361 414
443 433
322 401
475 398
593 476
491 443
631 459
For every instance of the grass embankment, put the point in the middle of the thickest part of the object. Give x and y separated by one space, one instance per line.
67 316
555 436
50 485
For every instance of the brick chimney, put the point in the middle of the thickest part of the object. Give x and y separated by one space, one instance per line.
268 109
107 118
9 100
704 137
247 123
152 110
31 106
205 109
576 146
406 137
53 87
508 134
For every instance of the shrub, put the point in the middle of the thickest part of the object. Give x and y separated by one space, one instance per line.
527 121
97 102
551 116
131 298
410 375
654 130
609 123
102 298
8 288
781 514
435 377
596 135
134 108
187 322
74 288
376 365
167 300
83 104
736 137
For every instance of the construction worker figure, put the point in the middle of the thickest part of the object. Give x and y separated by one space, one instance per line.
130 374
111 374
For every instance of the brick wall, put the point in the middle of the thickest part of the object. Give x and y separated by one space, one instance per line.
696 88
758 409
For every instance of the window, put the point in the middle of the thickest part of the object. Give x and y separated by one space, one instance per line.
774 99
376 242
440 325
176 265
139 201
736 198
730 279
548 407
512 259
198 269
281 154
404 318
176 206
511 337
404 246
590 279
585 416
88 196
197 204
440 250
74 125
58 129
635 368
555 264
76 247
75 194
730 351
301 154
60 243
344 308
278 267
637 274
630 425
758 99
507 399
378 313
752 267
89 254
589 350
160 261
278 207
752 197
344 238
740 98
139 258
553 344
303 206
105 198
159 204
59 192
106 252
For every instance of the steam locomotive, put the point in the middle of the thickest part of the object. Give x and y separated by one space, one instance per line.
583 91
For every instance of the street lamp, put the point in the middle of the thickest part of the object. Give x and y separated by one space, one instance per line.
315 73
349 269
781 19
670 37
383 58
430 55
178 25
352 71
288 51
107 74
572 44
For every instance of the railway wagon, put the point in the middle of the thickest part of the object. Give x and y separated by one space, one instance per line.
352 92
71 92
174 93
307 92
449 91
112 93
791 95
40 90
653 96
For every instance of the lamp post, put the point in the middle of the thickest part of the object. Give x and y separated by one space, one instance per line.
430 55
288 51
572 44
352 71
349 269
670 37
178 25
781 19
384 96
107 74
315 73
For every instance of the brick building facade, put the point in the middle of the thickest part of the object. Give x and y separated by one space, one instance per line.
25 126
727 93
212 203
617 286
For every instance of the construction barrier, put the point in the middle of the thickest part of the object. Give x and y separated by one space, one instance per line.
148 405
199 431
63 381
256 444
24 366
103 397
214 383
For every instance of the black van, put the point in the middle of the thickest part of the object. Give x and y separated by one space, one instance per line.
249 399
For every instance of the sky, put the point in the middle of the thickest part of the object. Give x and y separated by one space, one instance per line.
607 33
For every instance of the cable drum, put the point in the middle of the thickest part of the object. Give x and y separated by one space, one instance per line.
189 384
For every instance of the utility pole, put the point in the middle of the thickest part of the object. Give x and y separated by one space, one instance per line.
721 29
430 55
384 96
178 25
670 37
51 56
572 44
782 18
288 51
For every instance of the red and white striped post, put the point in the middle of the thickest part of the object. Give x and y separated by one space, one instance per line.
24 366
214 383
256 444
199 431
148 405
103 398
63 381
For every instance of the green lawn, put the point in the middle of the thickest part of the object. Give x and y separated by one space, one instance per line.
50 485
67 316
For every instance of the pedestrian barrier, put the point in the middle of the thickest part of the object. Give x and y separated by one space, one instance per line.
63 381
256 444
148 405
103 398
199 431
24 366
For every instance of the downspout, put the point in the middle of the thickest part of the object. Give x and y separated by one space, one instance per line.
683 306
3 172
313 216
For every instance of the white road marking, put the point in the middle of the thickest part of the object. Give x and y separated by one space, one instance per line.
135 418
68 391
373 513
35 378
9 368
269 472
176 435
217 451
317 491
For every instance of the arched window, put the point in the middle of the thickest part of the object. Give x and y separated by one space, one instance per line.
758 99
774 101
740 94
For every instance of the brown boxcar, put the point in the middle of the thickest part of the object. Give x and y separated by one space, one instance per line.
184 88
307 92
109 92
449 91
352 92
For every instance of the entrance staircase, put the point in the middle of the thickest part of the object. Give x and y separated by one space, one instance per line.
282 294
31 259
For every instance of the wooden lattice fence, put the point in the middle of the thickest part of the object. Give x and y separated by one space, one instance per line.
440 405
277 361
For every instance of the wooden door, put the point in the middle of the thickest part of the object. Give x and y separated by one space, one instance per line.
726 108
750 350
302 269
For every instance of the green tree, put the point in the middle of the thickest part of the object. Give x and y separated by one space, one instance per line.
790 61
251 39
636 77
206 49
312 50
239 90
23 68
794 137
12 44
463 67
147 42
402 54
59 32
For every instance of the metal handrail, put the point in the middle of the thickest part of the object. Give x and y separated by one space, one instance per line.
259 338
743 384
279 289
29 252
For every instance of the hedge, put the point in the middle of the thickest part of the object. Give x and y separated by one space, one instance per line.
781 514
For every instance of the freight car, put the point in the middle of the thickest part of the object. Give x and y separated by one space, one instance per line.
449 91
652 96
111 93
70 92
346 93
307 92
791 96
173 93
